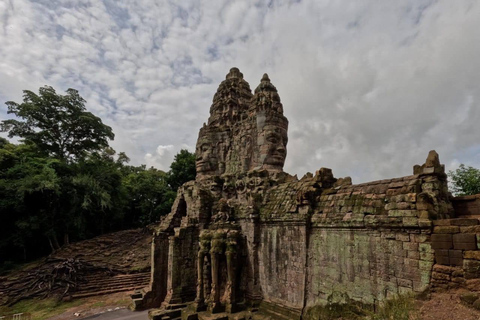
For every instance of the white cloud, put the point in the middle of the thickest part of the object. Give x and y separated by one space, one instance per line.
163 156
369 87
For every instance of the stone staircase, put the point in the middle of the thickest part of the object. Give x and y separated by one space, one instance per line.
100 284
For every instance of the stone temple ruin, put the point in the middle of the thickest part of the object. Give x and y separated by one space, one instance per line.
247 239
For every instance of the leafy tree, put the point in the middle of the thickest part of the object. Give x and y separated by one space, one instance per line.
149 195
182 169
58 124
465 180
95 195
29 189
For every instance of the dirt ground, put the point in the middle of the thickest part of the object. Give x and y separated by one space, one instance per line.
446 306
440 306
96 305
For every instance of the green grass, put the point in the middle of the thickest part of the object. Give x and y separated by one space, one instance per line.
40 309
400 308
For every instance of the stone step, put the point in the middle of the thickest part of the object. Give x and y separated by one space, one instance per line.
111 284
165 314
99 293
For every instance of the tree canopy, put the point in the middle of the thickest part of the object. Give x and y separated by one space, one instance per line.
182 169
465 180
64 183
58 124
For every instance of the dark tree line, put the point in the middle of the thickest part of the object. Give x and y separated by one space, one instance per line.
64 183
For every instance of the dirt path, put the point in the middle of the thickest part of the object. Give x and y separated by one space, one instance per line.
123 314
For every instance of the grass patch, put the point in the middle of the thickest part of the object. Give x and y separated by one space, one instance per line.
40 309
400 308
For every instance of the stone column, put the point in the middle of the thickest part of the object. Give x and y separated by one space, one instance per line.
231 253
215 252
200 299
202 253
170 273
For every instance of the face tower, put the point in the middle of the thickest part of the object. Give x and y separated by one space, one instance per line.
244 132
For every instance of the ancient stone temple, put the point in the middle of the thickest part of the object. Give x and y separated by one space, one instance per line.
247 239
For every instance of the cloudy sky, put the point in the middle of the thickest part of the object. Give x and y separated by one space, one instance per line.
369 87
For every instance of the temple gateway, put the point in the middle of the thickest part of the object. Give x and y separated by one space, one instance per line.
246 240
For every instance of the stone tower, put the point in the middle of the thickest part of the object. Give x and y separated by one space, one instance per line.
245 236
244 131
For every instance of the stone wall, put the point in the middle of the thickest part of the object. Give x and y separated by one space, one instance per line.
364 265
467 205
457 253
282 261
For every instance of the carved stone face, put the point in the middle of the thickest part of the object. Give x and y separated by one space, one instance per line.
273 151
205 157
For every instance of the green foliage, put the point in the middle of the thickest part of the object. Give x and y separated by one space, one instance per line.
63 182
58 125
149 195
41 309
399 308
465 180
182 169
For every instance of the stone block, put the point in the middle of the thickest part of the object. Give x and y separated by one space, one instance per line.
442 245
423 223
403 206
440 276
458 273
444 269
446 229
425 247
419 238
441 222
473 284
465 241
474 255
464 222
442 238
442 241
470 229
456 257
403 237
425 265
411 246
414 255
441 257
402 213
410 221
411 197
459 280
425 256
471 268
423 214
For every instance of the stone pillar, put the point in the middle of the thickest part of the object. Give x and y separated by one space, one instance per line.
202 253
200 299
231 253
215 252
170 275
174 285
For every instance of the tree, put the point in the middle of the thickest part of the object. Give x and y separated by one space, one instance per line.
182 169
465 180
58 125
148 195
